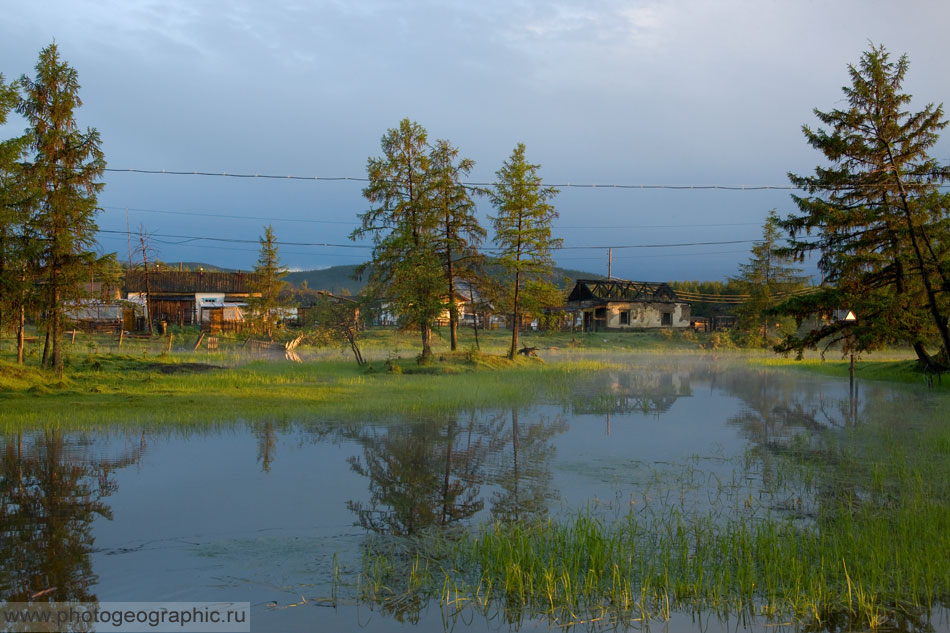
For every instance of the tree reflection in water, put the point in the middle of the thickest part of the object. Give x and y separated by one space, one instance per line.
420 475
431 474
525 482
51 490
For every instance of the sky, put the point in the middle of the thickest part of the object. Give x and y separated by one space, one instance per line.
679 92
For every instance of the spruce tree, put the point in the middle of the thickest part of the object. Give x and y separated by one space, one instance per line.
768 278
522 229
65 165
881 223
267 284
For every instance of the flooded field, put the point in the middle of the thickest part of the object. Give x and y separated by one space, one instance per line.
323 525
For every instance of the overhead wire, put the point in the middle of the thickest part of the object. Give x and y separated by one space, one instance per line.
191 238
351 223
645 186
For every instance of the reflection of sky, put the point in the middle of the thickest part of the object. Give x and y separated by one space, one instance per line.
596 464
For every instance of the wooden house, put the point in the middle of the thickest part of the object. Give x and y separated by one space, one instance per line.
618 304
187 298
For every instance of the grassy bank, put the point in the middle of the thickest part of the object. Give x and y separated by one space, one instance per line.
143 382
895 367
117 389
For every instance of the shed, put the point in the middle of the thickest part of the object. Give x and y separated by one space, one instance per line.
180 296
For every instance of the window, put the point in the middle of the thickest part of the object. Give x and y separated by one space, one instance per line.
625 317
667 319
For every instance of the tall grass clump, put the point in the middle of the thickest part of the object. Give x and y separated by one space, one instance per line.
868 547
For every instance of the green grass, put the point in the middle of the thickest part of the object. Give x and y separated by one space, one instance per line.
110 389
893 368
870 550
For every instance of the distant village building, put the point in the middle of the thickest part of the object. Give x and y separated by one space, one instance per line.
187 298
103 306
618 304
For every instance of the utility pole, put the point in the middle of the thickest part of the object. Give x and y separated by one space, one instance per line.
610 260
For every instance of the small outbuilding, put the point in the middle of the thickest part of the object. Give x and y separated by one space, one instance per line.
618 304
192 297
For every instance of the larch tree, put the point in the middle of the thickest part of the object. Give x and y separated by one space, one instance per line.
769 277
16 287
268 281
66 166
458 233
405 267
522 228
880 220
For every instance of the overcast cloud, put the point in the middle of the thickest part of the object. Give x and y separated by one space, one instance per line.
681 92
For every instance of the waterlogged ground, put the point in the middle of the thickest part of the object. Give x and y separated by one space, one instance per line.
290 516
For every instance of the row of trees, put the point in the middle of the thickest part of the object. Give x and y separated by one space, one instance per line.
49 179
426 235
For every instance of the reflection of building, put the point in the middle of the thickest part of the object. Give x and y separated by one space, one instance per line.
647 393
186 298
617 304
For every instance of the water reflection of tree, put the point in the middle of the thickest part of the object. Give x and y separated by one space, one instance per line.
776 409
266 434
51 490
430 474
525 478
421 475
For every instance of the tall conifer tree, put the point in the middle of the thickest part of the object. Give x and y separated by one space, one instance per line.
768 278
268 281
522 228
401 220
881 222
458 233
65 165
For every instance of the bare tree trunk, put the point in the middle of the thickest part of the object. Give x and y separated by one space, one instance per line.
426 330
57 321
21 325
516 318
45 346
453 307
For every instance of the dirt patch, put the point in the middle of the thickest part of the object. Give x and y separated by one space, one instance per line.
181 368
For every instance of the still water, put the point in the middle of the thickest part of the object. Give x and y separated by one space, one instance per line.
265 512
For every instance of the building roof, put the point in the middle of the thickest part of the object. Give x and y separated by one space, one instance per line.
190 282
602 291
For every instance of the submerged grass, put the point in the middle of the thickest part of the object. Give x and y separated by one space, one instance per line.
872 551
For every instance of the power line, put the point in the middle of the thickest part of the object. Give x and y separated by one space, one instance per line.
349 223
228 216
191 238
565 185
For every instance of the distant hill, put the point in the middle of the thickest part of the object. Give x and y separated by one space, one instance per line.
337 278
191 266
